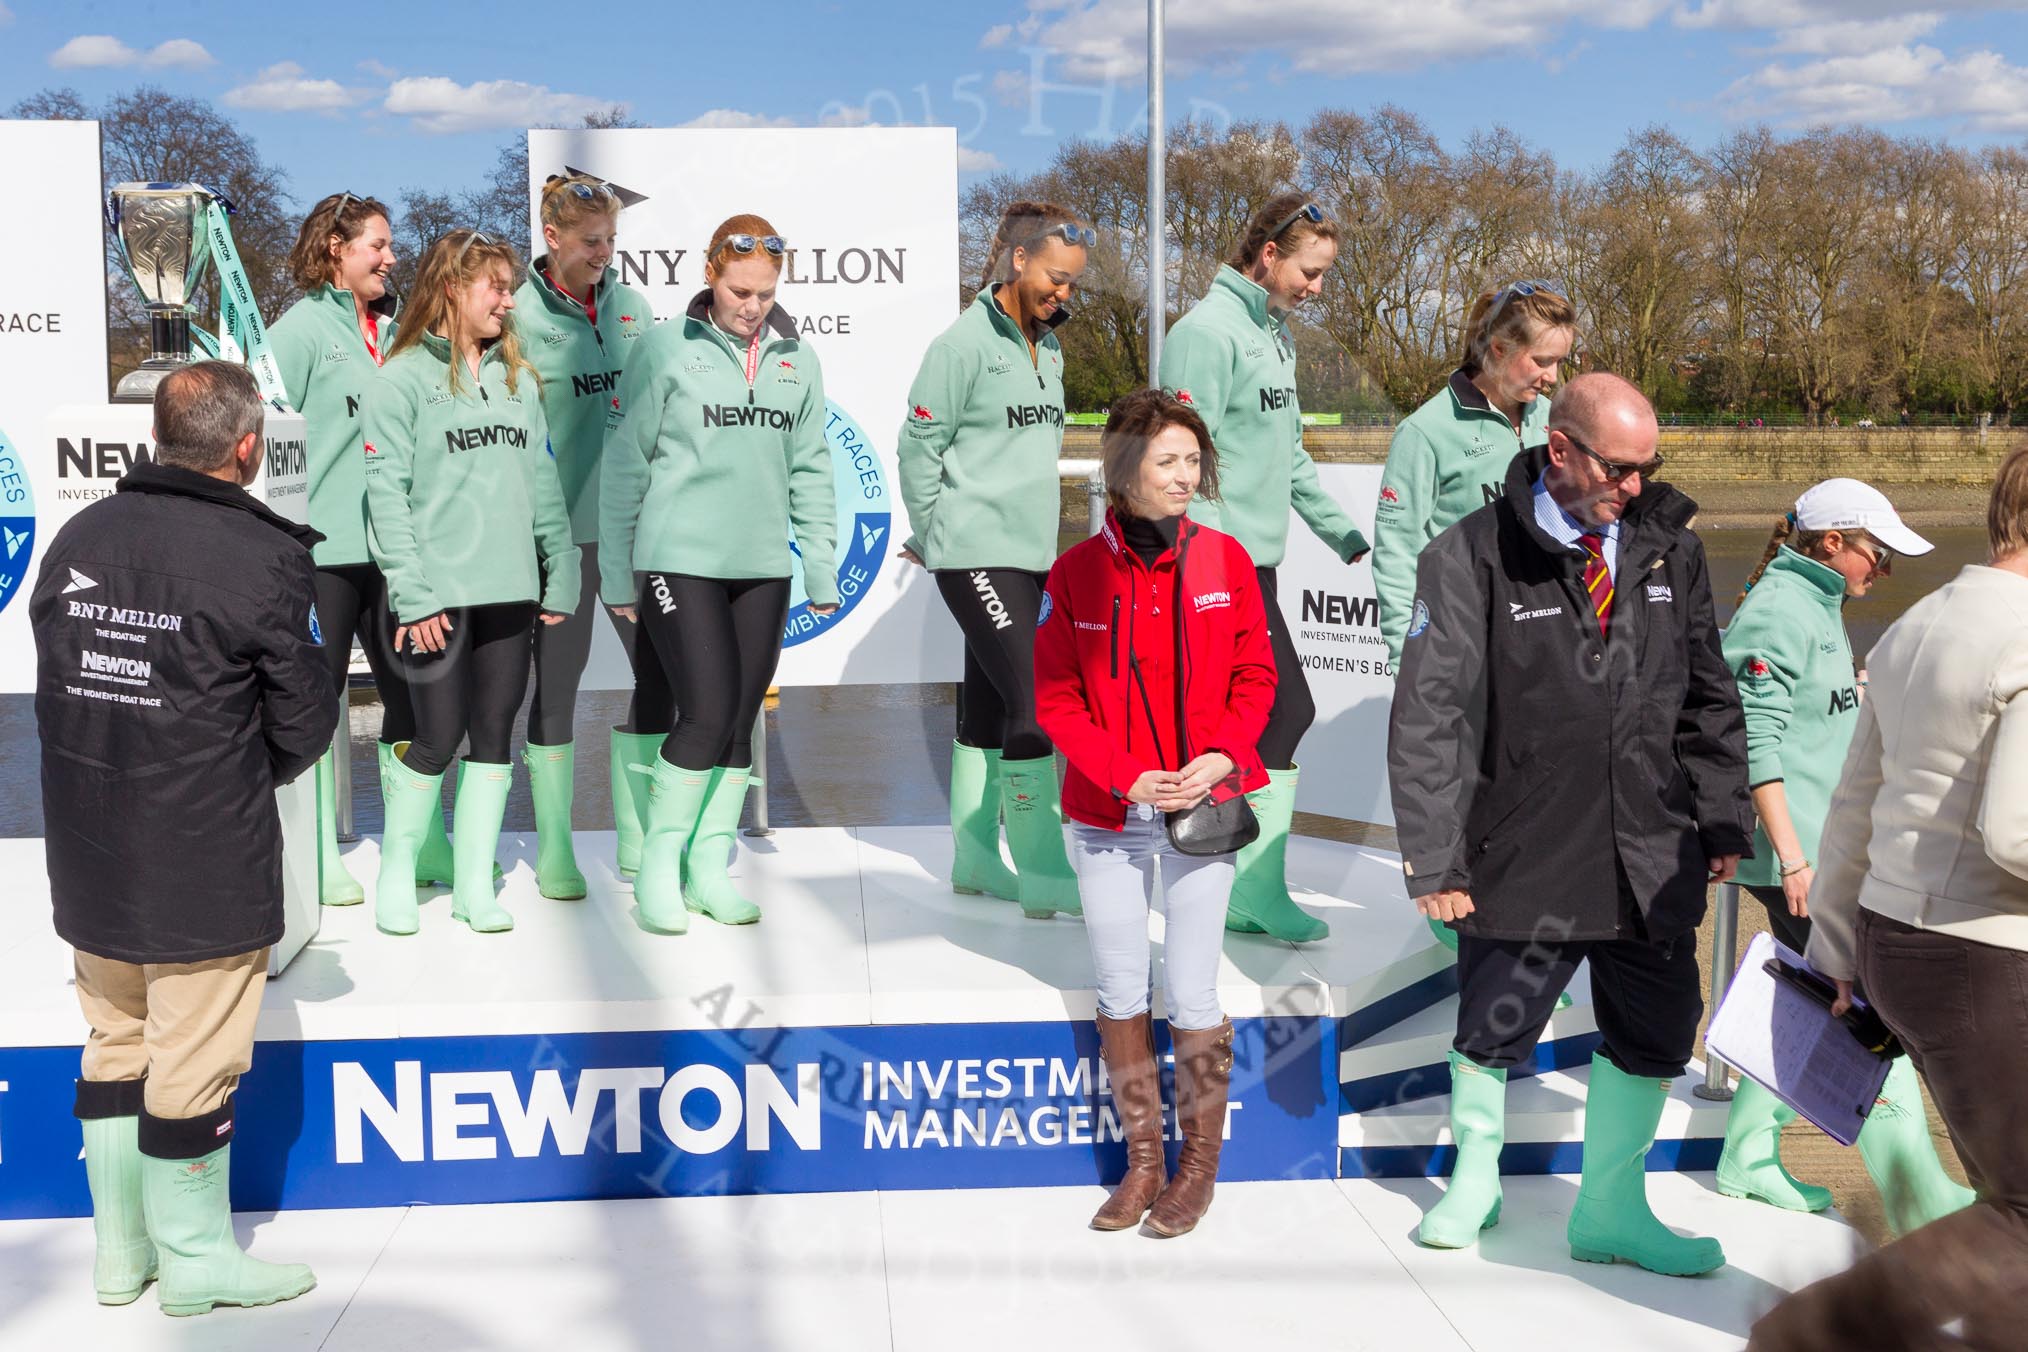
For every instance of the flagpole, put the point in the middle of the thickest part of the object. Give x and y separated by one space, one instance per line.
1158 301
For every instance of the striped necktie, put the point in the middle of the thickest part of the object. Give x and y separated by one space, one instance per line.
1598 580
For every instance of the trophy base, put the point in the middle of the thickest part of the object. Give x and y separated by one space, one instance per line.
138 385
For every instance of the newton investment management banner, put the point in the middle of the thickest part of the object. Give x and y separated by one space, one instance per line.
870 215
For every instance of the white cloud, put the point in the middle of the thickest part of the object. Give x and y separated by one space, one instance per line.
102 50
286 88
95 49
1854 37
379 70
972 161
1895 84
735 118
999 35
438 104
179 53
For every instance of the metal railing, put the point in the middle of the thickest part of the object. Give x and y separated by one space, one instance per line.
1724 957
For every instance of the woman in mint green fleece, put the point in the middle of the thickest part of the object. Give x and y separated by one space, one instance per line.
1789 653
465 516
978 453
577 327
719 454
1233 359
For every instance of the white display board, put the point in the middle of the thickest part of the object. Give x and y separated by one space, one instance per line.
52 349
871 217
1332 613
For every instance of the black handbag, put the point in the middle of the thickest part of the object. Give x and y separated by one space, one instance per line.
1210 828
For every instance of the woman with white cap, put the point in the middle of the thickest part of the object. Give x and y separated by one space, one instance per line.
1788 649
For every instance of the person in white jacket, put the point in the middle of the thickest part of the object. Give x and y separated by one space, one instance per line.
1921 901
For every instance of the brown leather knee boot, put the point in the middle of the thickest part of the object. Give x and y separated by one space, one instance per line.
1203 1074
1128 1047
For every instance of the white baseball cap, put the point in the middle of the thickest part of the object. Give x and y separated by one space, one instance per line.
1847 504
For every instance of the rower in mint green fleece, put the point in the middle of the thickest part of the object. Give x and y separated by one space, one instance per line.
580 365
979 447
449 524
699 467
326 371
1233 358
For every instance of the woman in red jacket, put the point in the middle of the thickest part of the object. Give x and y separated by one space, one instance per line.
1154 676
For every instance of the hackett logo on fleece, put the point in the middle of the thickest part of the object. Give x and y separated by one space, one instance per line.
1034 415
472 438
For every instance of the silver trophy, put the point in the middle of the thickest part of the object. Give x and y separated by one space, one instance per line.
161 232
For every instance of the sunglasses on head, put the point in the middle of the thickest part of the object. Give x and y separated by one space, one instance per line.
1521 291
1615 470
746 244
586 192
1308 211
1074 234
475 237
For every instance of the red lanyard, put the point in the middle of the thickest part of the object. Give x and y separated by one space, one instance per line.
753 357
372 336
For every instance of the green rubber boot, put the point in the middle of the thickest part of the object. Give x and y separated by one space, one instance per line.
706 888
480 805
1900 1156
1031 802
1751 1165
1445 935
335 884
1260 900
976 866
413 801
551 782
189 1213
125 1262
632 758
434 862
1479 1128
1611 1221
675 798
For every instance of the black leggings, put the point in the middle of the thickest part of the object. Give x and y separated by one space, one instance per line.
1792 930
1293 710
474 686
712 647
561 651
352 601
997 609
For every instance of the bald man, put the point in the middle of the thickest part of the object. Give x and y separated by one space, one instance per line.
1568 758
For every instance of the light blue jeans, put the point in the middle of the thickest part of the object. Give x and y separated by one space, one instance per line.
1116 883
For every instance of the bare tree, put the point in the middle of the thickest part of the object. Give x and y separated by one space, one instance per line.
1991 267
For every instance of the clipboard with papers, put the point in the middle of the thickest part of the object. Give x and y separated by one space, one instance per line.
1775 1026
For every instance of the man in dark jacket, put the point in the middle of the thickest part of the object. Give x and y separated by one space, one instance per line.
1568 757
179 681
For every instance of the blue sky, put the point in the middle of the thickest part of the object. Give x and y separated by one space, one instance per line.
376 97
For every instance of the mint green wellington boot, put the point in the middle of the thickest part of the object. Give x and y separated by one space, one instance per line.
706 888
413 801
335 885
675 798
1900 1156
1611 1221
1751 1165
632 758
976 866
480 805
1260 900
1445 935
189 1213
1479 1129
125 1261
551 783
1031 802
433 861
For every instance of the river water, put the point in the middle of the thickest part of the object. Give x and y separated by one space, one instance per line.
862 755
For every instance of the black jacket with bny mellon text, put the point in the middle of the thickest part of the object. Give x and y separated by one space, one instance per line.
1533 760
180 677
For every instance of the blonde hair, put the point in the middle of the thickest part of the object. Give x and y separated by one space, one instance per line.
1804 542
1504 315
334 222
2007 509
1292 235
1021 226
450 265
563 206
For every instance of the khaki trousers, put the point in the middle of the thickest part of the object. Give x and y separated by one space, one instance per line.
187 1026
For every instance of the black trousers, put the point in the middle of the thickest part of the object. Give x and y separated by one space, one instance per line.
561 651
711 651
1293 710
1647 995
1793 930
997 608
352 603
472 688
